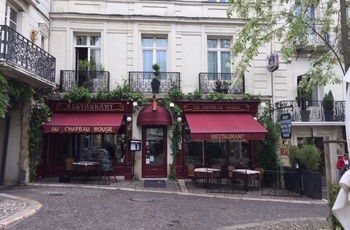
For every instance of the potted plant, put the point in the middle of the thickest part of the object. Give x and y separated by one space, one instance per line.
292 174
304 96
85 69
310 157
155 83
328 105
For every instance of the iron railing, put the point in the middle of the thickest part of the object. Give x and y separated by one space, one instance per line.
94 81
312 38
18 50
207 82
141 81
315 109
282 183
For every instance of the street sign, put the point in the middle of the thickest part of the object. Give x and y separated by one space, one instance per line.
286 125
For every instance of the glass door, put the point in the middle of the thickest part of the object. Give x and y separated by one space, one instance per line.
154 154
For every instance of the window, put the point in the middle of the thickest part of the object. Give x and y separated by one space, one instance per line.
219 59
154 50
309 13
314 97
89 48
11 17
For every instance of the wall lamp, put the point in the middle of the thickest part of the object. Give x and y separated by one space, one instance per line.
134 104
178 119
171 104
154 103
285 142
128 119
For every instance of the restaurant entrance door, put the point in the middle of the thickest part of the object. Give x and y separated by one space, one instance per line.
154 154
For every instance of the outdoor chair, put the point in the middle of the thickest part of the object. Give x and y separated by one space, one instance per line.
190 174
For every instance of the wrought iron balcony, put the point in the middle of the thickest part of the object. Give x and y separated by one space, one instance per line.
312 41
20 54
95 81
207 83
316 110
141 81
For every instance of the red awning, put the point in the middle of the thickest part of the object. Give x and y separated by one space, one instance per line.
224 127
149 117
84 123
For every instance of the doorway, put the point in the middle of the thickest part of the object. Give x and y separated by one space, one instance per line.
154 154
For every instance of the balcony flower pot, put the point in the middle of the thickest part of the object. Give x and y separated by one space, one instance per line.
328 106
304 96
155 83
222 86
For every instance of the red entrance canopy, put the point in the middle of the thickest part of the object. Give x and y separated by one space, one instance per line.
212 126
84 123
149 117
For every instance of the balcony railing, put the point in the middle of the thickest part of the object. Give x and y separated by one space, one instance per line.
94 81
141 81
312 39
315 108
207 82
17 50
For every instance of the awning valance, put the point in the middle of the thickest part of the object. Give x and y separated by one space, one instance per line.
149 117
212 126
84 123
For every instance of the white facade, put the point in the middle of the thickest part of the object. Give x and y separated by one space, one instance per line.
29 19
186 26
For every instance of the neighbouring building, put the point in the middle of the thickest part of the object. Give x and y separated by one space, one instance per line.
24 58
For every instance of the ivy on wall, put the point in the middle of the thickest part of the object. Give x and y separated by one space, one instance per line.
40 113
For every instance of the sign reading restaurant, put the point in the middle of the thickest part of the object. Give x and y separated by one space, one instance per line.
97 106
227 136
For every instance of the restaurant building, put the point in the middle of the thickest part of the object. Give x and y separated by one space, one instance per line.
79 130
212 133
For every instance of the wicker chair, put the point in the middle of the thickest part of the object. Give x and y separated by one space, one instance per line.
190 174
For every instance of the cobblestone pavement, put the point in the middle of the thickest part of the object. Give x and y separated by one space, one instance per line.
128 205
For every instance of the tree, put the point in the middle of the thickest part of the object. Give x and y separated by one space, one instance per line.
290 21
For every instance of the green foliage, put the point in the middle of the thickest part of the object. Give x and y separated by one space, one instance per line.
293 155
86 65
268 156
196 95
78 94
334 189
4 98
215 96
156 72
124 92
175 93
309 156
304 95
19 91
40 113
328 101
264 24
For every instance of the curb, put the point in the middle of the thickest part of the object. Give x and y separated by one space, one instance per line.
184 191
33 207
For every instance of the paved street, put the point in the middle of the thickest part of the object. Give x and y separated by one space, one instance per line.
77 207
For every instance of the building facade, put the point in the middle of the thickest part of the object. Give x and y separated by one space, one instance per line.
24 59
190 41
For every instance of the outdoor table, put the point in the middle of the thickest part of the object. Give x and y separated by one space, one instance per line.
208 174
86 167
245 174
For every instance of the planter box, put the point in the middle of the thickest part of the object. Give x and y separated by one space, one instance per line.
312 184
292 180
